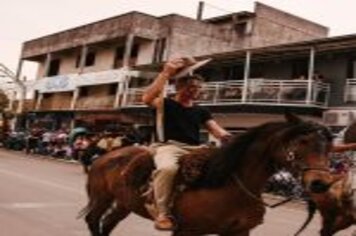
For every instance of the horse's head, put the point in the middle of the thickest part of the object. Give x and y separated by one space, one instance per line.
336 206
304 150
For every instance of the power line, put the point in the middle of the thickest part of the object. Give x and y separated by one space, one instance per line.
217 8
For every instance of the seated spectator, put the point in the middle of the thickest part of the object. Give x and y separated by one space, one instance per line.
45 142
88 150
33 141
106 142
298 93
317 76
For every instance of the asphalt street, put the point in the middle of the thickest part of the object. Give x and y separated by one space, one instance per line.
42 197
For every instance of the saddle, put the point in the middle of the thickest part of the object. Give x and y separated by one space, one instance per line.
193 165
139 171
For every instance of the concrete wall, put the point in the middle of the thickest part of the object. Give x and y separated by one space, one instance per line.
272 26
104 60
140 24
40 70
200 38
145 54
98 91
68 62
184 36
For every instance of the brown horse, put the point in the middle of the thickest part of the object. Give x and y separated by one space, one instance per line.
227 199
336 206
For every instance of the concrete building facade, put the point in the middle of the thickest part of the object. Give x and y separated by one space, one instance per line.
95 68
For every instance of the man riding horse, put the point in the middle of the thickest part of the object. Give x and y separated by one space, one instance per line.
181 121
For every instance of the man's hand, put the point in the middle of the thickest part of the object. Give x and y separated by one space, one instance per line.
226 139
172 67
152 96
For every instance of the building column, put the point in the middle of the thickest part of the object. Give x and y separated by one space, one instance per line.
310 75
23 93
119 91
12 96
125 88
83 55
39 101
128 49
246 76
47 64
74 98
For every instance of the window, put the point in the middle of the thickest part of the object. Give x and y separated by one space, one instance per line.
90 59
35 95
47 95
77 61
351 68
134 52
119 57
54 67
112 89
241 28
160 46
83 92
120 51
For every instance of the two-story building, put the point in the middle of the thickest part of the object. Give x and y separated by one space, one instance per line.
93 73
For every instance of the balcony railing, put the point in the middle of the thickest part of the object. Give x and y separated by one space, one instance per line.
350 90
59 101
259 91
132 97
86 103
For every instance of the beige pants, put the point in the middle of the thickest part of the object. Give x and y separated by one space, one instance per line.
166 161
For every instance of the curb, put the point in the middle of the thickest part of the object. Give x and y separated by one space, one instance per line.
38 156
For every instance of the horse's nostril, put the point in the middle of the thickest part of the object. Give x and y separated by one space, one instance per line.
318 186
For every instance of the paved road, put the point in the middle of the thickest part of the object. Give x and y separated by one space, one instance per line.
41 197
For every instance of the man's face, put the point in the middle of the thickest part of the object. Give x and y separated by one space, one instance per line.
192 89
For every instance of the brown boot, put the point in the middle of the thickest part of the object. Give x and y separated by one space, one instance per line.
164 222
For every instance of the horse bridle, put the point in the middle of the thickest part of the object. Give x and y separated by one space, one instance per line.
298 164
291 157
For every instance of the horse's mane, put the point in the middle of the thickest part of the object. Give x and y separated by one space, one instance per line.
225 160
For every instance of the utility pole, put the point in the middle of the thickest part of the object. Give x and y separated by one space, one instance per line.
200 11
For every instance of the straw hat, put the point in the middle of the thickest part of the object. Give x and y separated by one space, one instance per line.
192 66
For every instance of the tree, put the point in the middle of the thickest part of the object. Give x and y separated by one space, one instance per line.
4 101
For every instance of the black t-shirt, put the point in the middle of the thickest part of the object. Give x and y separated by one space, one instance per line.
183 124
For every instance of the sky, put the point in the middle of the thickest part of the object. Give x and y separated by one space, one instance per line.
22 20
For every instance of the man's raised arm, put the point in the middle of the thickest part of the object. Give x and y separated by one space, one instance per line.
151 95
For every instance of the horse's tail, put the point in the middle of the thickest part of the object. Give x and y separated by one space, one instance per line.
97 191
84 211
311 212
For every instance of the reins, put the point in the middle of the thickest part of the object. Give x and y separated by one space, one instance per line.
237 181
290 158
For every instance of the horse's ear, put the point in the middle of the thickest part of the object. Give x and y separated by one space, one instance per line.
291 118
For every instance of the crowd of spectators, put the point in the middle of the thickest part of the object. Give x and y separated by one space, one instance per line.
76 144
